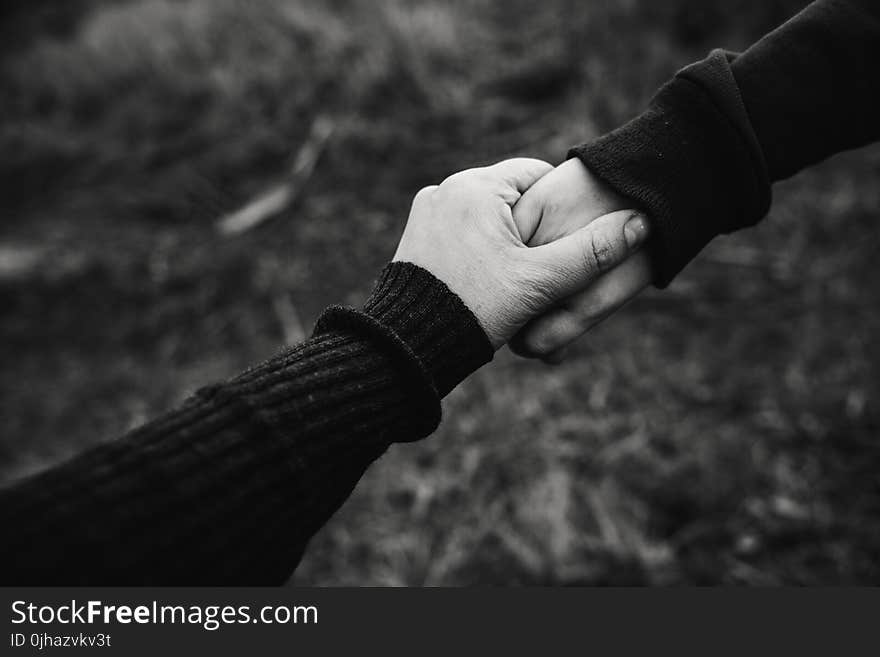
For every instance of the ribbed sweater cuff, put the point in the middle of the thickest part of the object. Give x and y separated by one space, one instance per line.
691 160
430 336
436 324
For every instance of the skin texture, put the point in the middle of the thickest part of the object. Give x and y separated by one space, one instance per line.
561 203
465 233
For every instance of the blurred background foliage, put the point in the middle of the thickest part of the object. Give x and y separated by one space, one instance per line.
722 431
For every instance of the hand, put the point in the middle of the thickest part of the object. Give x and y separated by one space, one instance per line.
463 231
559 204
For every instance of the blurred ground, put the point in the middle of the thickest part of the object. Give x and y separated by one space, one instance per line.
723 431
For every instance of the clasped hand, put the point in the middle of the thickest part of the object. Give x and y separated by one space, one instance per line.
538 254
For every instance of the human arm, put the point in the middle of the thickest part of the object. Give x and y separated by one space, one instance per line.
702 158
229 488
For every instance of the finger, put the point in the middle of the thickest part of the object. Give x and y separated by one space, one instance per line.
545 336
571 263
528 212
571 196
519 173
557 357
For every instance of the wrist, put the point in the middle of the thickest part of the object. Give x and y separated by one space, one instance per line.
443 334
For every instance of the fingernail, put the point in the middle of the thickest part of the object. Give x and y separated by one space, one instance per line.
635 230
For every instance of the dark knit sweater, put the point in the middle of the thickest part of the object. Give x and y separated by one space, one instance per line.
229 488
701 159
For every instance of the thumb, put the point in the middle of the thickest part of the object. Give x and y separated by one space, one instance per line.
573 262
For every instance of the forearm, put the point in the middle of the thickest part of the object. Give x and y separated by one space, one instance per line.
811 87
702 158
230 488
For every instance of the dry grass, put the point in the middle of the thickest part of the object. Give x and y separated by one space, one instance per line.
722 431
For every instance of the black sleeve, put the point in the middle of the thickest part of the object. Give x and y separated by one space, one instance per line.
702 157
230 488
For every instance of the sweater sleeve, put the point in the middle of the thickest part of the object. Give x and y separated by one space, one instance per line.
702 158
229 488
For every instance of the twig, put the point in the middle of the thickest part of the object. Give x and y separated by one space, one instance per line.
278 197
289 320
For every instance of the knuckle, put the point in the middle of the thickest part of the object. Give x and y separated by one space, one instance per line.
601 254
460 179
424 193
588 254
539 347
542 342
462 187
